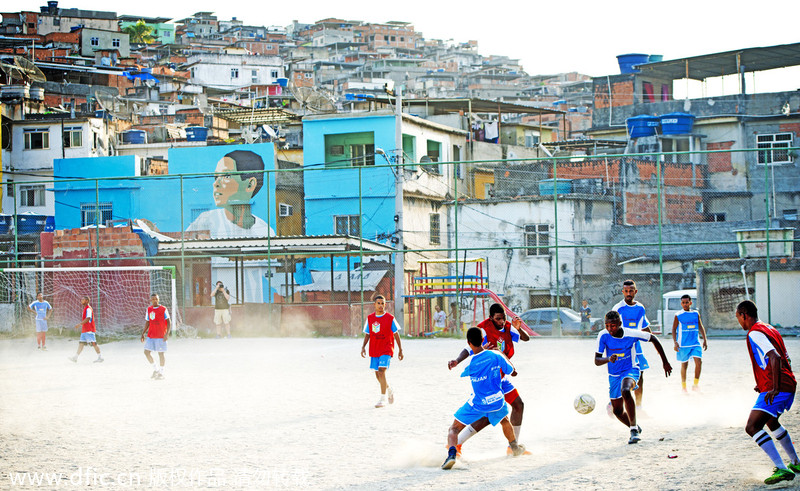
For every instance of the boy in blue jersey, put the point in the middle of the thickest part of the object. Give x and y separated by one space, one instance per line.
619 346
485 370
43 310
686 331
634 317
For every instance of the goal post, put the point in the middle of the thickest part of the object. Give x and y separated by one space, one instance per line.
119 296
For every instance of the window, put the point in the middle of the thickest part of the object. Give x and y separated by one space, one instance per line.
95 41
285 210
307 75
254 76
73 136
537 239
56 21
772 148
434 152
37 139
234 73
393 39
270 47
89 212
677 144
10 188
274 74
115 42
435 229
790 214
588 209
347 225
362 154
31 195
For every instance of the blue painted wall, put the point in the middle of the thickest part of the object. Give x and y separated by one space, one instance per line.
335 191
157 199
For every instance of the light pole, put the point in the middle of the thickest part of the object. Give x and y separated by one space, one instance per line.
399 270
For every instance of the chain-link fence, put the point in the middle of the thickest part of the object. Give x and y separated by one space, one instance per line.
304 249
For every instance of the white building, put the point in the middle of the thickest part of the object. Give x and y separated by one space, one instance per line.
28 161
517 238
229 71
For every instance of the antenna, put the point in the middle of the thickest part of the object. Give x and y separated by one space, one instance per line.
251 134
115 105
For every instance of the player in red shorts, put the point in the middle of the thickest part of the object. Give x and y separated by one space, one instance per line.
501 335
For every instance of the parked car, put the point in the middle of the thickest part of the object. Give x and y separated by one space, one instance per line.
541 321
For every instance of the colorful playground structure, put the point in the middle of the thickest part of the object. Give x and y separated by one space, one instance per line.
425 290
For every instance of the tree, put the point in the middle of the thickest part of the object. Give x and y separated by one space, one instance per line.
140 32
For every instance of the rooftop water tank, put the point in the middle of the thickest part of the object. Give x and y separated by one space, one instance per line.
30 223
676 123
627 62
640 126
196 133
134 136
548 186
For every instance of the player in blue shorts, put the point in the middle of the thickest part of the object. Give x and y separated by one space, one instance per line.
618 344
775 384
485 371
634 317
686 331
43 311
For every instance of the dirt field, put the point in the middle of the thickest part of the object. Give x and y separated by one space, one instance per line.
298 413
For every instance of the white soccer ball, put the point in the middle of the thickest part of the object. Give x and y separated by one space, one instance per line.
584 404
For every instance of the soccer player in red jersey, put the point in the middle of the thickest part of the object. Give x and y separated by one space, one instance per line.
156 327
87 327
775 384
380 331
501 335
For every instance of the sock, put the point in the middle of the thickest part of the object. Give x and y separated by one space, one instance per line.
517 429
161 369
466 434
786 442
155 367
635 428
768 446
683 385
696 381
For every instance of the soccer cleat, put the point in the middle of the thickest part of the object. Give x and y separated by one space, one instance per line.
509 451
159 376
73 359
155 374
381 402
99 359
44 348
695 388
450 461
390 394
634 437
38 347
229 336
779 475
794 468
520 450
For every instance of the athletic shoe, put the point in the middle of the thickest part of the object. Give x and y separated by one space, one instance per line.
695 388
511 452
634 437
779 475
381 402
155 374
520 450
229 336
639 429
44 348
99 359
390 394
38 347
794 468
73 359
159 376
218 336
450 461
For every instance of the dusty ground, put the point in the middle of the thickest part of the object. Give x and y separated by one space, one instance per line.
298 413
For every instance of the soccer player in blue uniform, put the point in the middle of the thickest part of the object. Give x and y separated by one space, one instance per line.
686 331
485 370
634 317
43 310
616 347
776 385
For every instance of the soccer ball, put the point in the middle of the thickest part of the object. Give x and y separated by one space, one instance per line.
584 404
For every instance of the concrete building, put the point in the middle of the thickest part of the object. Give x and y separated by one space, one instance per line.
224 71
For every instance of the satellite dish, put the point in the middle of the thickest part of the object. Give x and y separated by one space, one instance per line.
269 131
116 106
251 134
20 68
314 99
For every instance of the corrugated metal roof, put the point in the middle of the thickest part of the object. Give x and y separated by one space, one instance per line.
288 245
322 281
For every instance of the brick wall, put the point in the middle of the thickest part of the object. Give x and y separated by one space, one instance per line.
720 162
678 208
119 246
621 94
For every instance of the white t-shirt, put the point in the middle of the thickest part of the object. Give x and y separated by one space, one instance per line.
220 227
439 319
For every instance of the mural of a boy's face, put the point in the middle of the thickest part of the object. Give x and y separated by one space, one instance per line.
229 189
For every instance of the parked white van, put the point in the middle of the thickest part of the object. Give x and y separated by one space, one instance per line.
672 306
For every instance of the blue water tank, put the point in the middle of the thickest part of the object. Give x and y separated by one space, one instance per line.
196 133
644 125
283 82
654 58
676 123
5 223
548 186
349 97
30 223
627 62
134 136
50 223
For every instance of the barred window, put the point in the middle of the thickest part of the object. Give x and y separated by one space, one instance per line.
537 239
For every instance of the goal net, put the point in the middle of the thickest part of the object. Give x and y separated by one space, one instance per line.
119 296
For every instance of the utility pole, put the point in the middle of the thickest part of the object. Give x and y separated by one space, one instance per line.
399 257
